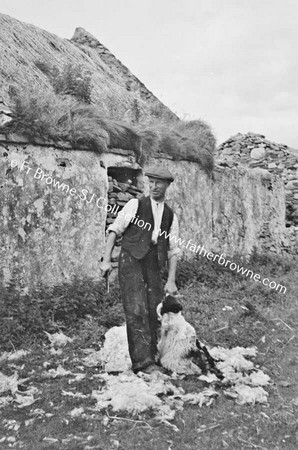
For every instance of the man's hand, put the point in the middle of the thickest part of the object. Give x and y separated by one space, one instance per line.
105 267
171 287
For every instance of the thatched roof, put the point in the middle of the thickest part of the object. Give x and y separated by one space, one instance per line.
117 97
25 47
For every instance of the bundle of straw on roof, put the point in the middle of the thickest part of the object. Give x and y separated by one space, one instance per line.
120 135
41 113
191 141
84 133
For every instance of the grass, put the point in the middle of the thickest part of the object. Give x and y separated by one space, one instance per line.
43 114
48 115
70 79
270 323
192 141
26 316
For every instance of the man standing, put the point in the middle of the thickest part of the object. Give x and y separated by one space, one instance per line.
145 251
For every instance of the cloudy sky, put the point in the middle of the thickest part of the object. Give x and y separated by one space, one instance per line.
233 63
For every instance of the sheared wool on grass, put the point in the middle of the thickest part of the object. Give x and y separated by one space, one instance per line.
177 340
5 401
13 356
76 412
226 353
138 393
205 397
258 378
246 381
93 359
114 354
232 362
72 394
10 384
247 395
58 372
132 393
26 398
58 339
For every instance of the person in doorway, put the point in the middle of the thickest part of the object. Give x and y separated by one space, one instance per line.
145 226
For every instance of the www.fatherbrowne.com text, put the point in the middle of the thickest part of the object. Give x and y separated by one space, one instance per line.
221 260
101 203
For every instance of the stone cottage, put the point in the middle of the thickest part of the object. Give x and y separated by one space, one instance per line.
57 199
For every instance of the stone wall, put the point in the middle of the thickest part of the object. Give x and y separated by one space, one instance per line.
248 211
48 233
237 211
255 151
53 205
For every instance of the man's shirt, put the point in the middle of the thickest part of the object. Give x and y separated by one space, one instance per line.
130 209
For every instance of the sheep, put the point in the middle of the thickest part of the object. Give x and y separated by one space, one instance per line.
179 350
178 347
177 339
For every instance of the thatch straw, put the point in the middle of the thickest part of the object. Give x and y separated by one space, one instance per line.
44 114
41 113
192 141
121 135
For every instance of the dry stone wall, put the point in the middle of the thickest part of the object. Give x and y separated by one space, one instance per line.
123 185
248 211
55 205
85 40
256 152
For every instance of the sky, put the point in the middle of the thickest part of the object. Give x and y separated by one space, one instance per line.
232 63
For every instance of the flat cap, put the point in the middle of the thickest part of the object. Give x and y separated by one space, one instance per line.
159 172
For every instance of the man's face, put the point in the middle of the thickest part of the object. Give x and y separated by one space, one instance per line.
158 188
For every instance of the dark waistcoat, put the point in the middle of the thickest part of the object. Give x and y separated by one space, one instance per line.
137 239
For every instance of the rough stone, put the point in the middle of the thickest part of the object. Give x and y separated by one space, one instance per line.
278 159
19 138
4 120
258 153
271 165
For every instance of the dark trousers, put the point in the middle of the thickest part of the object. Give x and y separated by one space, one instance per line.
141 292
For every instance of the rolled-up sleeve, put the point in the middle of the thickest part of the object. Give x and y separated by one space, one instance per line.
174 233
124 217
